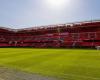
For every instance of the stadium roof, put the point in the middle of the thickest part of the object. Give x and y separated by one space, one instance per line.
50 26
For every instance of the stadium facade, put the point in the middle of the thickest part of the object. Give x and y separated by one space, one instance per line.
79 34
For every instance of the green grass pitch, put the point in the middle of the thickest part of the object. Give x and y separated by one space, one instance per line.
64 64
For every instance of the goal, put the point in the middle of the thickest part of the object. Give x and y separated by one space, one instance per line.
98 47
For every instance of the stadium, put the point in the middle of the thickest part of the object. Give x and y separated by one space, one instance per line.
80 34
49 50
48 54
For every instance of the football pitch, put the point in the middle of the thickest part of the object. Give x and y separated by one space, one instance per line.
63 64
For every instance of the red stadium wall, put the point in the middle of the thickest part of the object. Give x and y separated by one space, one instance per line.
83 34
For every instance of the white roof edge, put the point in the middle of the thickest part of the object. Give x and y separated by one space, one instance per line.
48 26
55 25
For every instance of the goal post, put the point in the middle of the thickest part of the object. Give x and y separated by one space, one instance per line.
98 47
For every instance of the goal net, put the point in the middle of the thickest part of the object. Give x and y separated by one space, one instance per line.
98 47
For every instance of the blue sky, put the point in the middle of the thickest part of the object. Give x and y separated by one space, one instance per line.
30 13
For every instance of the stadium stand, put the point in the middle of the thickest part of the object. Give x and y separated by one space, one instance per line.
80 34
